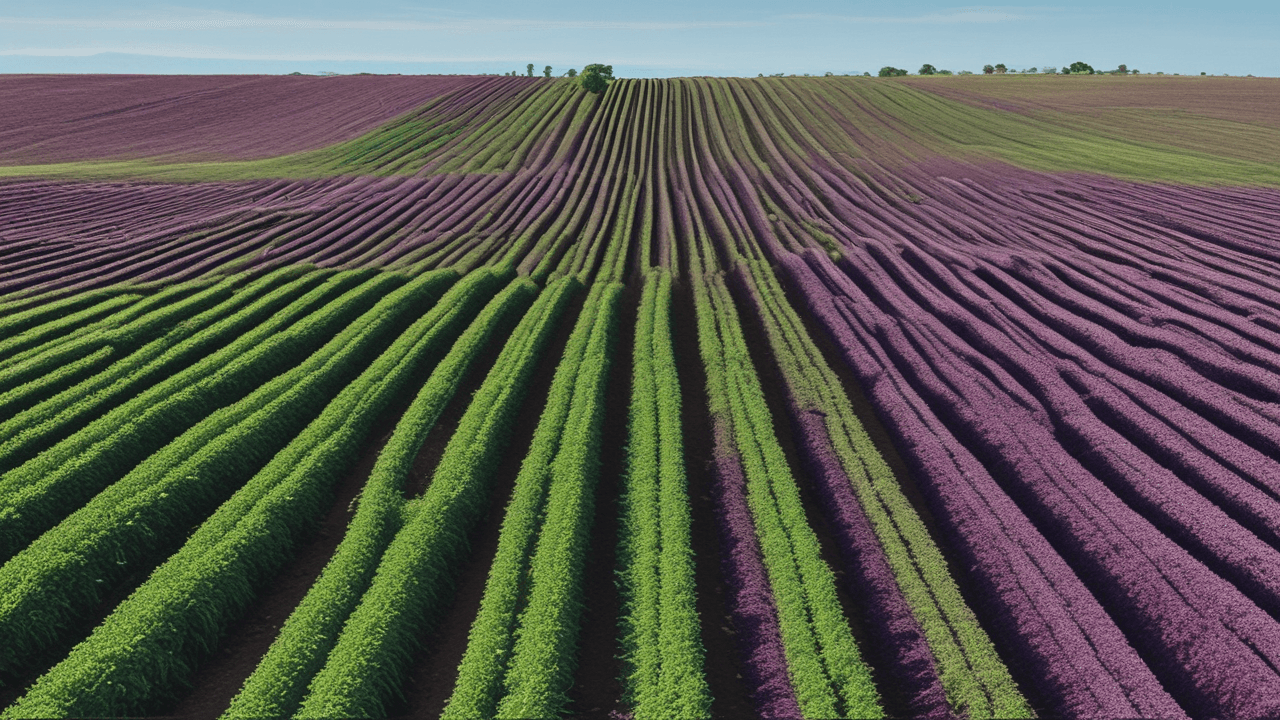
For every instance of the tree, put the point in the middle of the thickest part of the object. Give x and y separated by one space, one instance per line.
529 69
927 69
1051 71
1001 69
1124 69
546 71
890 71
1032 70
595 78
572 73
1081 68
988 69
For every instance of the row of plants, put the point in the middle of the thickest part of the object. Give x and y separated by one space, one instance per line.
518 661
33 430
913 601
826 670
279 683
125 528
43 367
282 461
660 627
37 494
414 577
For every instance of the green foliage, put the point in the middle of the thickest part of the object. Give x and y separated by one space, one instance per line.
28 432
56 327
529 70
167 323
277 686
1001 69
123 331
988 69
572 73
540 672
415 574
523 638
36 495
1080 68
660 626
546 71
153 640
928 69
596 78
890 71
960 129
122 529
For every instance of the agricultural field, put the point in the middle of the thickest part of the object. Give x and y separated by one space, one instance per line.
471 397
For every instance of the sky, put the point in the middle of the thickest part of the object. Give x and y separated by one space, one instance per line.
656 38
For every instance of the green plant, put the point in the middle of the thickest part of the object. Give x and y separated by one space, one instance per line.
595 77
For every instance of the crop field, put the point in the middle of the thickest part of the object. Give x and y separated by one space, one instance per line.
471 397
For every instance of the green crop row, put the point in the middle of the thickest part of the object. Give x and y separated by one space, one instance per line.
828 674
155 638
64 573
36 391
18 316
123 331
976 681
480 675
38 494
414 577
660 628
279 683
20 343
543 659
28 433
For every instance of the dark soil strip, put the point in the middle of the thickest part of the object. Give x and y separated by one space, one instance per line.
730 697
597 683
774 385
435 668
991 622
247 640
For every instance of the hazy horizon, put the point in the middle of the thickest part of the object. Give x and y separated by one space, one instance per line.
660 39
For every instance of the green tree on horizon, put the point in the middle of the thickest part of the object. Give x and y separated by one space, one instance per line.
596 77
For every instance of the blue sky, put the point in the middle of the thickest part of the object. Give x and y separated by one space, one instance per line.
657 38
